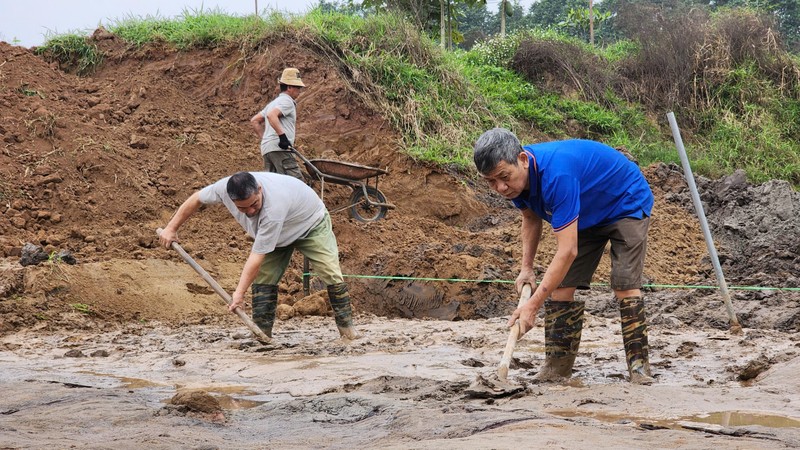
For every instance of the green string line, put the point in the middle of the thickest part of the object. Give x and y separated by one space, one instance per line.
662 286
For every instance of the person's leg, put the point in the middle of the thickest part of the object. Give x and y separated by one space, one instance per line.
265 288
634 338
283 163
563 316
265 303
628 249
288 165
269 166
563 324
322 251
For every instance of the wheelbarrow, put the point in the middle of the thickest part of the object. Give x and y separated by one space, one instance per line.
367 203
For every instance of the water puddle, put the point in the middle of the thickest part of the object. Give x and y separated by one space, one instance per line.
127 382
230 403
740 419
722 418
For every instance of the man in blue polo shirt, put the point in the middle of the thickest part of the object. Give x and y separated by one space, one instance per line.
590 194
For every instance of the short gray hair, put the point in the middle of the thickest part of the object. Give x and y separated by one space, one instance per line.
495 145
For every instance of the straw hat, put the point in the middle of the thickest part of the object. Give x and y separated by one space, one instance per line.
291 77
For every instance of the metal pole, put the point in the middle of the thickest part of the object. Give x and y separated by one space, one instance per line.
698 207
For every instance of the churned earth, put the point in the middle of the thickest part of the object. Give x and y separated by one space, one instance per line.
130 348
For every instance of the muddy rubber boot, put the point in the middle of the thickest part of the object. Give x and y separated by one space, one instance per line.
343 312
634 337
265 302
563 324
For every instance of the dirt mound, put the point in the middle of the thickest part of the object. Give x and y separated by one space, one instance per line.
94 165
756 230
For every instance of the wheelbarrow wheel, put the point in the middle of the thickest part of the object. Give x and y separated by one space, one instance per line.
361 210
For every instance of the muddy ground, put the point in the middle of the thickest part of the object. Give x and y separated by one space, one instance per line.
404 385
129 348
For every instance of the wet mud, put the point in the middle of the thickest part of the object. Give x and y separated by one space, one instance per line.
405 384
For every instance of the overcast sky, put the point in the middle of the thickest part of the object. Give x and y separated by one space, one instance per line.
27 22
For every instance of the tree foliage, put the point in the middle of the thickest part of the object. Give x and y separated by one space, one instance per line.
470 21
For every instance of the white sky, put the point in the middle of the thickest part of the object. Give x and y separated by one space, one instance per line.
27 22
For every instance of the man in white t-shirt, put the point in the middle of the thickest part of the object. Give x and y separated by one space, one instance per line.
276 125
281 214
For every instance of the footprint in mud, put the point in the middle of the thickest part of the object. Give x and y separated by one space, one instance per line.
686 349
472 362
415 388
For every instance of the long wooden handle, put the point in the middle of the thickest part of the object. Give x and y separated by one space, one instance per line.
513 335
218 289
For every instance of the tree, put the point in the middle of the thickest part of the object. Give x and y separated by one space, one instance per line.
581 21
429 16
548 13
475 21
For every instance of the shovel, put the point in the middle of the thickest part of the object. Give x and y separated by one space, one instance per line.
218 289
513 335
497 385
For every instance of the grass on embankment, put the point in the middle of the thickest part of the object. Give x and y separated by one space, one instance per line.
441 102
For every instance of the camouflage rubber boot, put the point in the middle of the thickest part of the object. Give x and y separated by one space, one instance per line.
343 312
563 324
634 337
265 302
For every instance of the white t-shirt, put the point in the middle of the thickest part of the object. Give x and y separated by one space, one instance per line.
285 103
289 211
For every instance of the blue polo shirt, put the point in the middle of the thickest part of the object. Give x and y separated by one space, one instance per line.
585 181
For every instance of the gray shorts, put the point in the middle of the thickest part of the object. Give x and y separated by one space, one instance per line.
628 246
282 162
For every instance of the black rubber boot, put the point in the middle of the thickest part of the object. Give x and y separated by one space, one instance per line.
265 302
634 337
343 312
563 324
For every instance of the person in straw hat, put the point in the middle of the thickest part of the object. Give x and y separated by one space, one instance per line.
275 125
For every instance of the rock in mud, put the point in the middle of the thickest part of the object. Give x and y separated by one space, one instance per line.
285 312
32 255
754 368
196 400
313 305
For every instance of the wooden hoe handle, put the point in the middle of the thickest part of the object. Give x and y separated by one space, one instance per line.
218 289
513 335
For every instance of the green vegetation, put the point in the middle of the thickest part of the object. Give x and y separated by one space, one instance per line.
194 29
735 92
72 52
29 92
82 308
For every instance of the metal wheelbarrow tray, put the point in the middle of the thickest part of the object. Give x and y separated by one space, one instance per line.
367 203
